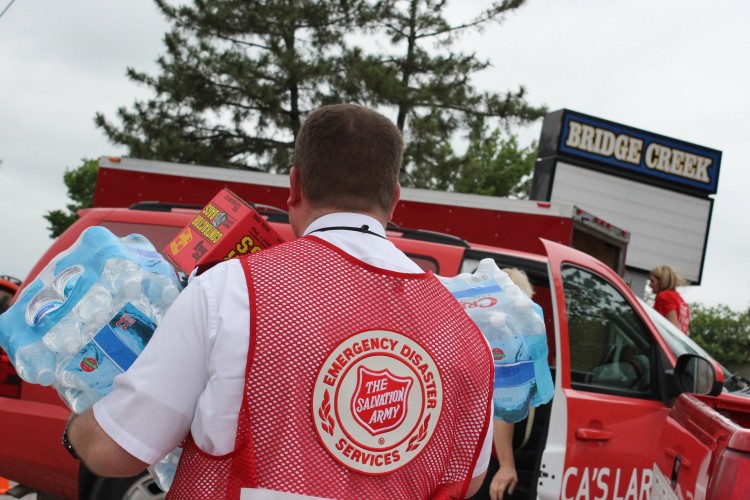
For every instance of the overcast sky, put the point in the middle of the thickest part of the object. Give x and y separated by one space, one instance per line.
674 67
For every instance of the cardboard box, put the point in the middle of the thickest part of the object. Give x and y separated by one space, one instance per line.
226 228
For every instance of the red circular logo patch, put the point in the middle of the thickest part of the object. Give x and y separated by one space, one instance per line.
377 401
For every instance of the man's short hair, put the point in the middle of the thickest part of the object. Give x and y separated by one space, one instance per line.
348 157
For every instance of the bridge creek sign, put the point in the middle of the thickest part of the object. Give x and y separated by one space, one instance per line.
659 189
629 151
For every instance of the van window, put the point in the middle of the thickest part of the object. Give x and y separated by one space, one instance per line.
611 350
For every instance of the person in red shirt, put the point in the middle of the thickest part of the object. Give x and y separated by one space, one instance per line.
670 304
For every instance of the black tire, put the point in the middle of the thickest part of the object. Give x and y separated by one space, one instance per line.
140 487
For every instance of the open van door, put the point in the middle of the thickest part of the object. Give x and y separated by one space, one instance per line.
608 411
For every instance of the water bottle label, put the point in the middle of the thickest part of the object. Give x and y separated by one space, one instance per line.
113 349
477 291
512 403
513 375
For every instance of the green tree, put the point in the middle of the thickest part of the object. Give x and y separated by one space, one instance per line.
238 77
81 183
420 74
721 331
496 166
236 81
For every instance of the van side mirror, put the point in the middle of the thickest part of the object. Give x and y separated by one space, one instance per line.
696 375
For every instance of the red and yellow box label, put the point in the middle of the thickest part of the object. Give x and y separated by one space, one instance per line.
226 228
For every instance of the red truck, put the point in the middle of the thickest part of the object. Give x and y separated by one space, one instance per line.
703 450
618 368
8 288
489 220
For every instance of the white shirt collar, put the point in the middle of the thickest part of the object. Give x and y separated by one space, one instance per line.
346 219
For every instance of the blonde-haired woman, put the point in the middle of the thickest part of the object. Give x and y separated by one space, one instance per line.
670 304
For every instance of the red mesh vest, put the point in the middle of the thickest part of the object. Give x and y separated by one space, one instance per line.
360 383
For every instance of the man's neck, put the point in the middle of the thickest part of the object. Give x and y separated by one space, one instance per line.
317 214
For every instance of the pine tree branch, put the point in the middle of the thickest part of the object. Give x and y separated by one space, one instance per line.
240 42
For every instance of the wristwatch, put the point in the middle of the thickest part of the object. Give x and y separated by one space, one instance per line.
66 444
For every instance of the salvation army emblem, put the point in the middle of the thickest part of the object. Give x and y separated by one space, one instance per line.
377 401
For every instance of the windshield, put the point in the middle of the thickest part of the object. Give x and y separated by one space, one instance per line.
678 342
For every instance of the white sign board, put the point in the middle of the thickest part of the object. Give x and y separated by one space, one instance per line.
666 227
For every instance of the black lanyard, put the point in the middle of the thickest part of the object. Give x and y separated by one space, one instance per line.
364 229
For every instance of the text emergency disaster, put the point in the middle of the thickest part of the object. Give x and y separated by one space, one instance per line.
377 401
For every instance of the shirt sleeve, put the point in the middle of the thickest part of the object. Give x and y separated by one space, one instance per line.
483 462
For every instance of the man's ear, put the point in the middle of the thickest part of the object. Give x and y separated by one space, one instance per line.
394 202
295 189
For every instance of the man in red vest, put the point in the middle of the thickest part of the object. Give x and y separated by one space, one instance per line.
330 366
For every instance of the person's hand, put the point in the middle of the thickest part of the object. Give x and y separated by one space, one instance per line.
504 480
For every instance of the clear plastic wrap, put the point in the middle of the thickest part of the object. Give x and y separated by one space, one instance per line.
514 327
87 317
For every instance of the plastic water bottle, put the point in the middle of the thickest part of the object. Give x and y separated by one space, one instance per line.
95 307
67 336
35 363
66 280
498 333
54 296
164 470
122 276
46 301
70 380
60 285
146 307
515 386
79 400
513 379
503 342
530 321
160 290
